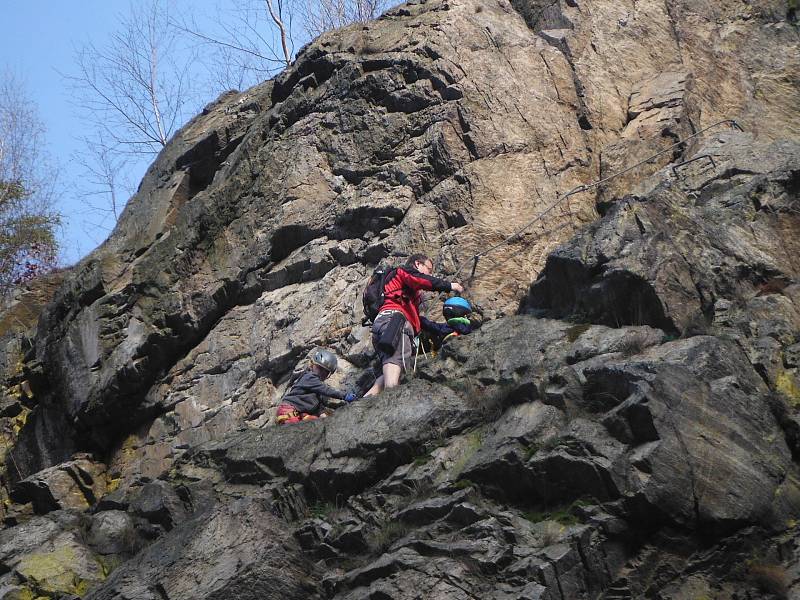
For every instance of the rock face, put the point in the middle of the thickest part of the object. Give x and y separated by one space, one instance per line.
633 431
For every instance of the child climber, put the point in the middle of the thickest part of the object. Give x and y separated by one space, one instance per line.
305 399
460 320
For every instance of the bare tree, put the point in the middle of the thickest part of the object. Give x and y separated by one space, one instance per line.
320 16
133 93
256 38
250 42
28 221
135 89
104 184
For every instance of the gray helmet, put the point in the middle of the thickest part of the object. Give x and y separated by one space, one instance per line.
325 359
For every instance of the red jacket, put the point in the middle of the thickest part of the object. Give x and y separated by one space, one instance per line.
402 293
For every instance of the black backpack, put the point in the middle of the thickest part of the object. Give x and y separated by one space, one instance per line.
374 295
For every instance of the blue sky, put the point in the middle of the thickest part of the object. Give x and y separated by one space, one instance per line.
37 43
38 46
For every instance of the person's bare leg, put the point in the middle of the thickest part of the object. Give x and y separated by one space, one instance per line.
376 388
391 375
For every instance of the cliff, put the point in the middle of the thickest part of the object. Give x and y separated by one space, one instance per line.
626 423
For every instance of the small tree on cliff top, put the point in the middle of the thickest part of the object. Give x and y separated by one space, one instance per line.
28 244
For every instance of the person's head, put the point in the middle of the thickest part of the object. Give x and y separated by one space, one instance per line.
323 363
456 307
319 371
421 263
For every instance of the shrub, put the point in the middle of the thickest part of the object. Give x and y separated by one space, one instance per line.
389 532
770 578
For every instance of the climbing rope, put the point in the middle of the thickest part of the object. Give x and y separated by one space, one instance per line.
583 188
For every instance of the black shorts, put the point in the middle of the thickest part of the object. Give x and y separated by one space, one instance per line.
403 350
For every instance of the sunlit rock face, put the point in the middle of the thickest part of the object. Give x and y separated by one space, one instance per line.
624 425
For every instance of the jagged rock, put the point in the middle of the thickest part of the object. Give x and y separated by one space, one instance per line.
429 511
627 341
347 451
658 116
792 356
445 127
47 556
237 550
629 268
76 484
435 122
160 504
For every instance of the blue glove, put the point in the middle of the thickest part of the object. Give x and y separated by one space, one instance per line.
349 397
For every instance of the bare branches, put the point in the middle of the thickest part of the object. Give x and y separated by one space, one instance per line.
136 90
323 15
244 42
253 39
104 187
276 18
133 93
133 90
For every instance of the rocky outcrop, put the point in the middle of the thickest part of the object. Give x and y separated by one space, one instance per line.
78 484
238 550
633 432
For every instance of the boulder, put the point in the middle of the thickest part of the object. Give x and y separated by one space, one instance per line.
235 550
76 484
343 454
47 556
635 441
630 268
113 532
159 503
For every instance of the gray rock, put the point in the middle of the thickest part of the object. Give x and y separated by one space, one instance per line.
348 451
236 550
76 484
112 532
791 356
47 555
444 127
630 269
159 503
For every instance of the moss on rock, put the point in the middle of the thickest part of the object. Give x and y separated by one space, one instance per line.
786 384
63 570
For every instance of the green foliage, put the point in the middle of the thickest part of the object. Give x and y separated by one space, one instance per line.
565 515
320 510
770 578
28 243
574 332
389 532
27 189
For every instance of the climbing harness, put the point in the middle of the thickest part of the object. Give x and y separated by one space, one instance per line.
288 414
586 187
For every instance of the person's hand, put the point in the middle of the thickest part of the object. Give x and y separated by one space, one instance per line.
456 287
349 397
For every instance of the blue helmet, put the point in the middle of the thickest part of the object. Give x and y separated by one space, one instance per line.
456 307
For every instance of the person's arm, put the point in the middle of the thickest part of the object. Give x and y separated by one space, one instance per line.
441 329
316 386
413 279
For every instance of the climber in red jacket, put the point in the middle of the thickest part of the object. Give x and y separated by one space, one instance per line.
398 321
